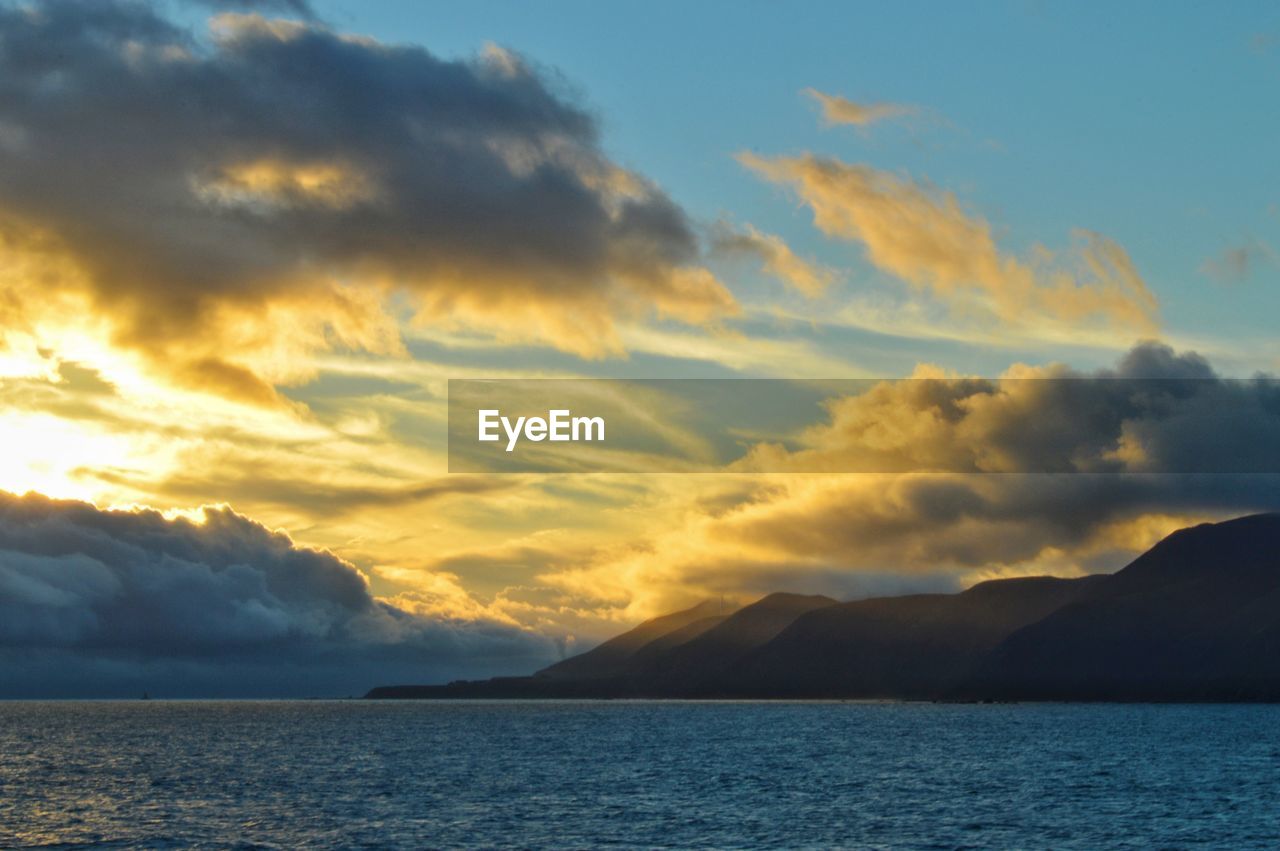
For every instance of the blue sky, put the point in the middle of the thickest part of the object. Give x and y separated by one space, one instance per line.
1152 123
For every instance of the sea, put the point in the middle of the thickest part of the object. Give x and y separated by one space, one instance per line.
364 774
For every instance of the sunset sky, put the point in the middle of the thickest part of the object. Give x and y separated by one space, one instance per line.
244 246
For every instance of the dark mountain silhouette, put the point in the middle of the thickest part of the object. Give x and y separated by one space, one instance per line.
689 645
913 646
1197 617
610 658
653 652
713 658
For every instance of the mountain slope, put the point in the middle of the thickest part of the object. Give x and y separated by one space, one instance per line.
913 646
1196 617
610 658
656 650
706 661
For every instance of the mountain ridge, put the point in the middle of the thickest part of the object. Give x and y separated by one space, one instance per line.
1196 617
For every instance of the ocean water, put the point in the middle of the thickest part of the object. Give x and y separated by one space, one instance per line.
352 774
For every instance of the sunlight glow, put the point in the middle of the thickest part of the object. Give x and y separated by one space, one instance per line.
47 454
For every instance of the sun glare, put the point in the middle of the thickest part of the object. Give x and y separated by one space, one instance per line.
47 454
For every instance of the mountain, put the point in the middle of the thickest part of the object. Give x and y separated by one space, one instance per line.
914 646
1197 617
705 662
611 657
685 650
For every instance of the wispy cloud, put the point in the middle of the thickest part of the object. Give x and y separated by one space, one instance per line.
1237 263
805 276
1263 42
925 237
837 110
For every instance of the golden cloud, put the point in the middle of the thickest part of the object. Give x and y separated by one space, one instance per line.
1107 442
841 110
924 237
776 257
265 183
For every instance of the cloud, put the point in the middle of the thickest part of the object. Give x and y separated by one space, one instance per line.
462 569
858 534
1237 263
864 535
301 8
777 258
226 203
1156 412
132 599
841 110
243 482
924 237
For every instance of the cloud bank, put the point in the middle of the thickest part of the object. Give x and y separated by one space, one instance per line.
865 534
1156 412
116 602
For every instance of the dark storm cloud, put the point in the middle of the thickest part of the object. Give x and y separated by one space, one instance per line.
300 8
279 160
1067 459
938 522
1157 411
133 591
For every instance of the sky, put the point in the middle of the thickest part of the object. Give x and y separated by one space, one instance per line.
244 246
1148 123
